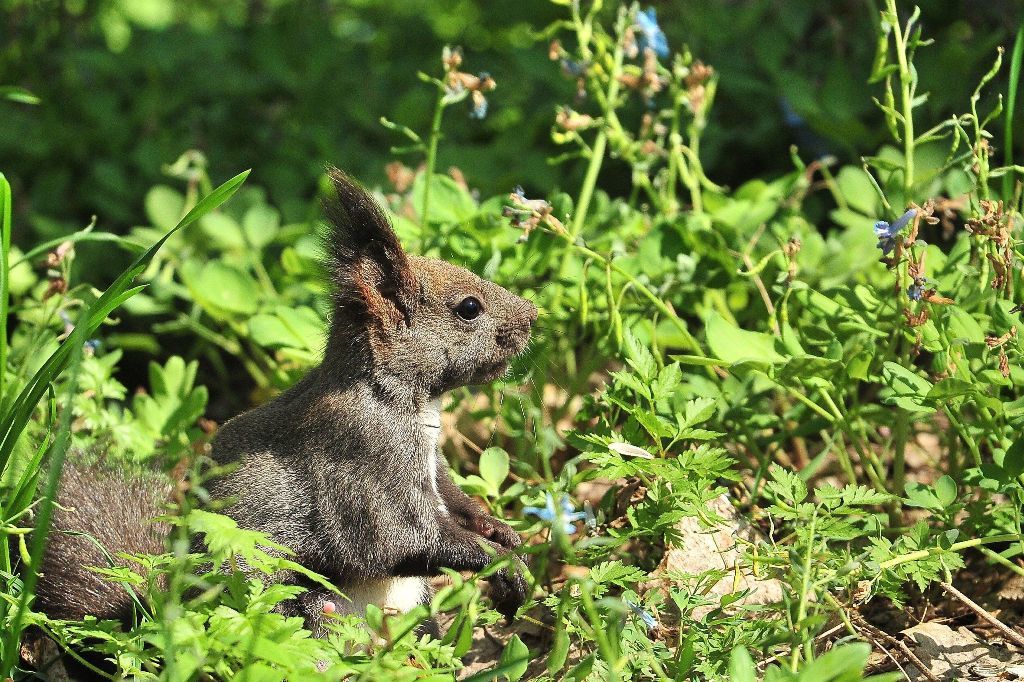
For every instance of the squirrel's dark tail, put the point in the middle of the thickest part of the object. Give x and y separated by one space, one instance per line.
101 514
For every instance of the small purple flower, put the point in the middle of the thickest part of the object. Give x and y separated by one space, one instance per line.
589 518
647 618
564 513
572 69
479 110
887 233
916 290
651 34
69 326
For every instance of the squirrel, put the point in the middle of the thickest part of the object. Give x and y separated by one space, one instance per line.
343 468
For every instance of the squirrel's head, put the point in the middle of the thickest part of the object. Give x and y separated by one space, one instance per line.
427 324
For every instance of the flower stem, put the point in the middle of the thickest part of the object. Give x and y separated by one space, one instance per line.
955 547
900 436
428 173
805 588
906 99
597 152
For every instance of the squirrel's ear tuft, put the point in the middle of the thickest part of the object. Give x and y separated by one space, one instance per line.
366 260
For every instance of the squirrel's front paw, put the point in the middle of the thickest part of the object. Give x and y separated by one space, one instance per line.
496 531
509 591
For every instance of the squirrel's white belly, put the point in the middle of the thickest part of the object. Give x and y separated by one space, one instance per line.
400 594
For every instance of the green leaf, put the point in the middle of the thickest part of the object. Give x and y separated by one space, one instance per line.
449 202
961 326
1013 460
844 663
164 206
908 388
950 388
559 651
494 467
733 344
261 224
741 666
515 659
221 288
223 231
787 485
857 190
639 357
945 490
270 331
698 410
16 94
921 495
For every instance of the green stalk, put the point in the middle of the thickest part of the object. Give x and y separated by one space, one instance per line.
907 99
435 137
604 645
1002 561
5 251
900 436
694 174
42 527
955 547
1011 106
805 588
597 153
675 140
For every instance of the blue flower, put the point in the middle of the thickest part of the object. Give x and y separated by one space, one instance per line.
647 618
651 34
589 517
573 69
916 290
887 233
564 513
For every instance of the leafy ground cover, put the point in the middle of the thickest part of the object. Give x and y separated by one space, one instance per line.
838 401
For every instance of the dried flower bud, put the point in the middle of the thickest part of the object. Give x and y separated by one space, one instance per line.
567 119
451 58
400 176
57 286
555 50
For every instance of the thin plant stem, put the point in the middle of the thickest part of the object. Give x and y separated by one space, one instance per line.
805 588
1011 106
597 152
955 547
428 172
906 99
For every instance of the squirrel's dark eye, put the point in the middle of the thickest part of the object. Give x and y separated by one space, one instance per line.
469 308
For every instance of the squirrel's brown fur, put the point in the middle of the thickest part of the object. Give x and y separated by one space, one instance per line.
100 513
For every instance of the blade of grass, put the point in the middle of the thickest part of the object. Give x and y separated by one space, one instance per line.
13 420
1011 107
58 452
5 250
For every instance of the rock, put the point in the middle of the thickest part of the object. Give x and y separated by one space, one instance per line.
701 549
954 654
